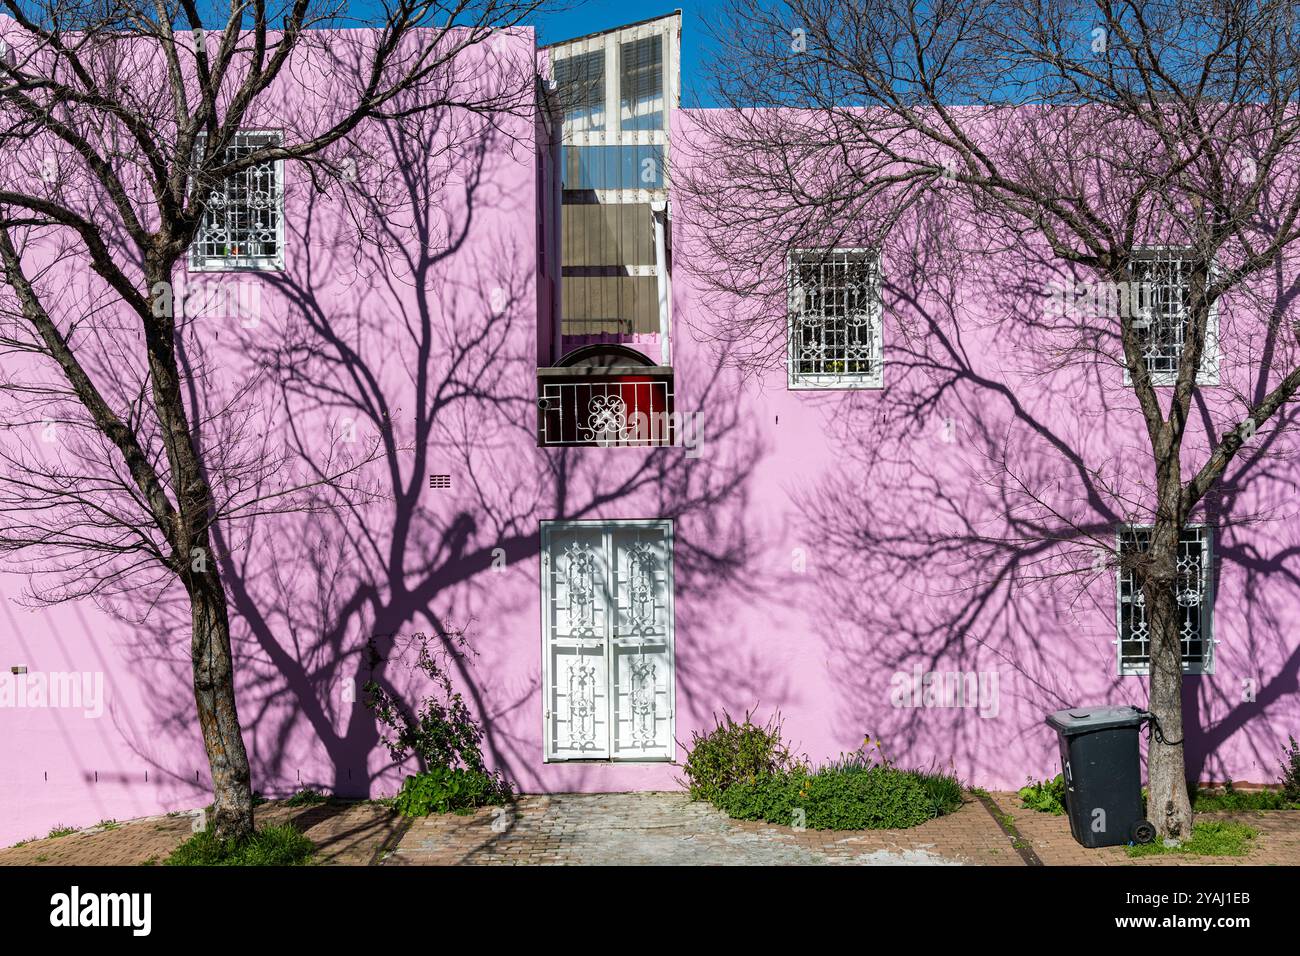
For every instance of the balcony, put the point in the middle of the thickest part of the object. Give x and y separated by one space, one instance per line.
605 395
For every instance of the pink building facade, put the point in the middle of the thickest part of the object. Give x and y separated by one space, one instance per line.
614 531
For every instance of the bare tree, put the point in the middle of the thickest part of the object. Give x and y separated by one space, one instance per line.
1084 134
116 121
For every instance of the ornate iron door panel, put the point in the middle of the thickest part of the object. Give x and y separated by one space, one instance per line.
607 621
642 643
577 621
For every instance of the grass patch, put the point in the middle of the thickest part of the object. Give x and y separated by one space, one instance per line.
271 846
306 797
1048 796
60 831
108 825
1212 838
1229 800
944 790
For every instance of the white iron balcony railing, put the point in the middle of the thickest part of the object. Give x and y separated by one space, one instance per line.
609 406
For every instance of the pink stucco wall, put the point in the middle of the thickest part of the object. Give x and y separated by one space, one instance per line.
803 583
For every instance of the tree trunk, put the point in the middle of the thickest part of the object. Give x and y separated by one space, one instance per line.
213 665
214 693
1168 804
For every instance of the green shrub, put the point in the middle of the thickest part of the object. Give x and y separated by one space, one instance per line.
943 789
1291 771
441 790
770 797
306 797
441 733
750 773
732 752
1045 796
1212 838
60 830
271 846
867 799
837 798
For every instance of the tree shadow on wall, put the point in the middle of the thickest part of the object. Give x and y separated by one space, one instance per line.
405 330
973 527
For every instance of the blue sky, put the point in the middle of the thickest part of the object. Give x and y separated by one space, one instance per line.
573 18
578 18
595 15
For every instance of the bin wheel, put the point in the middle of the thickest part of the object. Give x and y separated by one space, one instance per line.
1144 831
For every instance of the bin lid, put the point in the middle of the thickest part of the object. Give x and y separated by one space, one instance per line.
1082 720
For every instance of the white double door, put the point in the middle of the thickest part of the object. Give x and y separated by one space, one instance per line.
607 634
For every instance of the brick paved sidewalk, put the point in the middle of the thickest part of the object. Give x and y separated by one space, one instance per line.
667 828
1278 843
345 833
647 829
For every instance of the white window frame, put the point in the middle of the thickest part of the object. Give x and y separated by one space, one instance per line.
797 381
669 28
610 42
1207 375
199 263
1206 664
608 527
